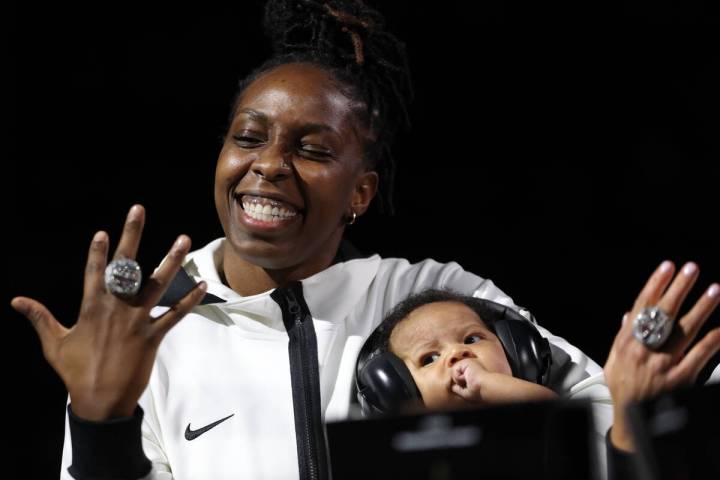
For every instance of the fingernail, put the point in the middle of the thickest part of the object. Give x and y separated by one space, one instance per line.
665 266
714 290
134 211
624 318
179 243
689 268
100 237
202 286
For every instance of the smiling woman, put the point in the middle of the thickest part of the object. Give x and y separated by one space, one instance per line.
290 175
275 312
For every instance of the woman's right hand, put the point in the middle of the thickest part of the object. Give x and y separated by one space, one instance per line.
106 358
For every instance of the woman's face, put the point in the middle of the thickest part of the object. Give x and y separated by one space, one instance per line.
291 171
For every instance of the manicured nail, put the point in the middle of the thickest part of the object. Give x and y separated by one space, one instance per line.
202 286
714 290
665 266
100 237
689 269
134 212
180 243
624 319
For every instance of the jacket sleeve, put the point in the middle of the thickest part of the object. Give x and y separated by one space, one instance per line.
621 465
122 448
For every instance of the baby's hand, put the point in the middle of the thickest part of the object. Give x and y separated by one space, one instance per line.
475 384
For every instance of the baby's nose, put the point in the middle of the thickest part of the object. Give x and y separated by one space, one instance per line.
458 354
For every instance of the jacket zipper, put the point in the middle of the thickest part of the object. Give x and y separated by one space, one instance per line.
305 379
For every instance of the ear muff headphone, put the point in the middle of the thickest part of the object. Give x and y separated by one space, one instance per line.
384 384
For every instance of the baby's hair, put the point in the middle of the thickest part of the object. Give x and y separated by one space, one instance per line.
381 336
348 40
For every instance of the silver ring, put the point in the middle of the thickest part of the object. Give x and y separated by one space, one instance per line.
122 277
652 327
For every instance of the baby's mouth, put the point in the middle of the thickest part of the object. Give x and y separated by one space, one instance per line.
266 209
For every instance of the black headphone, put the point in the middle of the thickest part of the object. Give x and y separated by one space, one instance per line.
384 383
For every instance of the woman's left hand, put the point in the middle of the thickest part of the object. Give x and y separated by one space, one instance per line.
635 372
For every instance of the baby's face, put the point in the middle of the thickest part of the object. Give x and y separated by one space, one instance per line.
438 337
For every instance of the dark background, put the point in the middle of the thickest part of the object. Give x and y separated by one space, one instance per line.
562 151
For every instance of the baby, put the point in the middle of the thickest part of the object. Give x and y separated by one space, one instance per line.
453 353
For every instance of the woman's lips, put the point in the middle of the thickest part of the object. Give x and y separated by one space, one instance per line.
266 213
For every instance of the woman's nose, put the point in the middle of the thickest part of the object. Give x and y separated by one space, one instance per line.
273 163
458 354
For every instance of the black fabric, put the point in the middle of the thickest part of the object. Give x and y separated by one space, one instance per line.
180 285
107 450
305 380
620 464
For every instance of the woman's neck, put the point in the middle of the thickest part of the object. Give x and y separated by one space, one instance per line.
246 278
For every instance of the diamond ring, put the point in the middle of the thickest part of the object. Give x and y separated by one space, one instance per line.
652 327
122 277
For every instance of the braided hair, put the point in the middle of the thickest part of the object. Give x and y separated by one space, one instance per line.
346 38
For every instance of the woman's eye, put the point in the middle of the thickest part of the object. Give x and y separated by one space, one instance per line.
314 151
428 359
472 339
247 141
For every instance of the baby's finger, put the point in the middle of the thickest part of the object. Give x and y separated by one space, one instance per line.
95 266
45 324
687 371
655 286
167 320
160 280
461 391
132 231
675 295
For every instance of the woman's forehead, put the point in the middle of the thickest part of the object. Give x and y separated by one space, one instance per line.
296 89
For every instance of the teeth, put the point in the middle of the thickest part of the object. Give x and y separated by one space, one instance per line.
265 211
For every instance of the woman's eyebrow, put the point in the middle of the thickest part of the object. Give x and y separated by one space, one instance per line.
319 127
311 127
254 114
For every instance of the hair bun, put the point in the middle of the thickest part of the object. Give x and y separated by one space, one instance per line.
334 30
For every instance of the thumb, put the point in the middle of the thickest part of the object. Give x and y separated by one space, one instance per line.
45 324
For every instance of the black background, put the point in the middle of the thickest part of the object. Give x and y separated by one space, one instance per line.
562 151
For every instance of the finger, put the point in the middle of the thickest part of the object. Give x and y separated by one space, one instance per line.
655 286
160 280
687 371
45 324
168 319
95 266
691 323
675 295
462 391
132 231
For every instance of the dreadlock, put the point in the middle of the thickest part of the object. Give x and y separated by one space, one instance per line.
347 39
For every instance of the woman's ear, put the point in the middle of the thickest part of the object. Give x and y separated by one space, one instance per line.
365 189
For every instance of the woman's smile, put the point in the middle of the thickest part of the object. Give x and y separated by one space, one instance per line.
265 214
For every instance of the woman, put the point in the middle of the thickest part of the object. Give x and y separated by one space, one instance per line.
306 152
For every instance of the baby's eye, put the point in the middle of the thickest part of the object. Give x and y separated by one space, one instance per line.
472 339
429 358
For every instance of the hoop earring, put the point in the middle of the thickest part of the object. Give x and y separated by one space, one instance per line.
352 220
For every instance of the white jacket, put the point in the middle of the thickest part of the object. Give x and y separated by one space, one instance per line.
232 358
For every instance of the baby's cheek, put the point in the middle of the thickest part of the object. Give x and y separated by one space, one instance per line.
434 394
496 361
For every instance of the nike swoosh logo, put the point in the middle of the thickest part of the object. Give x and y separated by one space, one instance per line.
193 434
